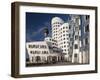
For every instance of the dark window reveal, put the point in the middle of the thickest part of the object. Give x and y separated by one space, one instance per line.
75 55
76 46
86 41
87 28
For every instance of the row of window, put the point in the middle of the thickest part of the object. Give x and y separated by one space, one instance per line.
65 42
64 50
64 46
39 52
60 32
64 39
47 59
37 46
52 40
54 44
68 35
66 27
56 25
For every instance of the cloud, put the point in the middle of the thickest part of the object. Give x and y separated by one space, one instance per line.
39 30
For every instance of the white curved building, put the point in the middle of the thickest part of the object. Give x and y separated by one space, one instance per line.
63 39
56 22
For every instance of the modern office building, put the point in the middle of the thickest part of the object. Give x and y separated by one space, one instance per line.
69 41
43 52
60 33
63 39
77 41
56 22
86 38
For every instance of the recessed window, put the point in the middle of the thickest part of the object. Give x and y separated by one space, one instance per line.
87 28
69 27
76 46
64 45
76 37
64 38
64 42
75 55
86 41
63 34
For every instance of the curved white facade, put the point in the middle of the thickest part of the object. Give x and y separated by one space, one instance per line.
63 38
56 22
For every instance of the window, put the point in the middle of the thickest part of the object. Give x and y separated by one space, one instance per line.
64 42
69 27
63 34
63 27
38 58
75 55
76 37
87 28
64 45
86 41
64 38
76 46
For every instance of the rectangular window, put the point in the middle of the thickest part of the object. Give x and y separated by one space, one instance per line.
69 27
86 41
76 46
87 28
76 37
75 55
